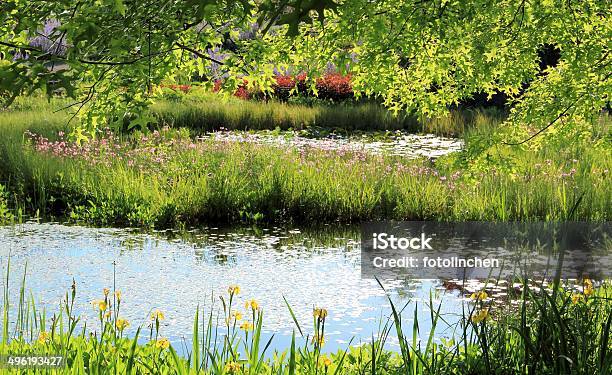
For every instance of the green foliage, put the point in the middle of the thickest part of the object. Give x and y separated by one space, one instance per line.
6 215
171 179
415 56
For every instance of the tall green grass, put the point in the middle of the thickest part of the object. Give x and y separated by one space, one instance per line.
552 330
204 111
233 182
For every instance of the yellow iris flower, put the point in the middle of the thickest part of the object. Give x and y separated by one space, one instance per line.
122 324
233 290
162 343
480 316
157 315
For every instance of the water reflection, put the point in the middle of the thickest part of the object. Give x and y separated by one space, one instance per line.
176 272
398 143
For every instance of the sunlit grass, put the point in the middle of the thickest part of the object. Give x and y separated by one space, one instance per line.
204 111
208 111
549 330
170 179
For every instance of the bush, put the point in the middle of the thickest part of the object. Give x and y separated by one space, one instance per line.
5 214
332 86
335 87
242 92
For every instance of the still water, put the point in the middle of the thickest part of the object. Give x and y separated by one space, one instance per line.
176 273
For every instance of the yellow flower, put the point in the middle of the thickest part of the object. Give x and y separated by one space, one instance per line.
106 291
122 324
319 313
162 343
479 296
232 367
102 306
588 287
577 298
246 326
96 304
43 337
237 315
118 295
252 304
107 315
157 315
325 361
233 290
318 340
480 316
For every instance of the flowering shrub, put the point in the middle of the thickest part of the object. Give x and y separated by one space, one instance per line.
335 87
283 86
286 83
242 92
332 86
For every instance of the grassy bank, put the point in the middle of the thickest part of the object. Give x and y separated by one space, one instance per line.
549 330
168 178
203 111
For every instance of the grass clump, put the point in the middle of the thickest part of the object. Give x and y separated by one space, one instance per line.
6 216
203 111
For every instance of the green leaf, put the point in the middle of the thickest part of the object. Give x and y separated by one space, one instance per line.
120 7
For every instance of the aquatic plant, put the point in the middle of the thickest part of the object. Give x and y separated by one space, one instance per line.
548 332
6 215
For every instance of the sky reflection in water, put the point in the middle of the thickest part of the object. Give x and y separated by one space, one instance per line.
176 273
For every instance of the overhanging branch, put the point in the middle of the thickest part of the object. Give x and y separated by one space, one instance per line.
198 53
559 116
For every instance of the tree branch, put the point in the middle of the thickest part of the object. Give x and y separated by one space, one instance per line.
544 128
198 53
27 48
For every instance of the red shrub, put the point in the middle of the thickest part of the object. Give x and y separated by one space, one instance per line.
241 92
332 86
283 86
335 86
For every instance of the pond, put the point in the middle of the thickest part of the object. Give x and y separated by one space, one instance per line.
175 273
397 143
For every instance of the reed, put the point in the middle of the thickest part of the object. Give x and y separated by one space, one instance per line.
556 329
203 111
